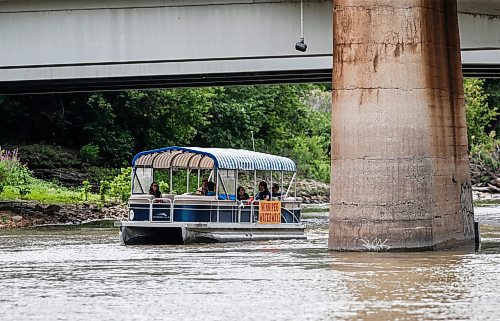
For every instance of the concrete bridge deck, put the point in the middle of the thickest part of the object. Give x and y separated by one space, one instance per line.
69 45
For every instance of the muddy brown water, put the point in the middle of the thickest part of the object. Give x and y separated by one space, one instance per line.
85 274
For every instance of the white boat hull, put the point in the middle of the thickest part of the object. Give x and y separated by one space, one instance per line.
185 233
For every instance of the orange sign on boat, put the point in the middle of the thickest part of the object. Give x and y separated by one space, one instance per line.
270 212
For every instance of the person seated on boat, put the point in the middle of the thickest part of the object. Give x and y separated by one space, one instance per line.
203 190
263 194
241 195
275 191
154 189
210 189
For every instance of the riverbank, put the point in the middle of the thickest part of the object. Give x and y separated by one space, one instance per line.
27 213
18 214
32 213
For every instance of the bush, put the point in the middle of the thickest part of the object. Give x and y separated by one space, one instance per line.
14 173
104 189
3 177
484 145
309 154
98 174
120 185
90 153
24 180
164 187
480 116
16 179
86 190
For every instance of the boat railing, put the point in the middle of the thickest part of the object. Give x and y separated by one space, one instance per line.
236 208
159 202
295 219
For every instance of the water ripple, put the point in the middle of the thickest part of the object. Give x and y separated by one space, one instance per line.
86 275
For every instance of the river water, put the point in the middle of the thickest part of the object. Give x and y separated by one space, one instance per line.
84 274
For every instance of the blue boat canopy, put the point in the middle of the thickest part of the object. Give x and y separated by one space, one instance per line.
211 158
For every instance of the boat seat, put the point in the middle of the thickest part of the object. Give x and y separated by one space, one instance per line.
194 198
141 198
169 196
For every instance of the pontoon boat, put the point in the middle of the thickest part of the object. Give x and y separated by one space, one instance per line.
186 216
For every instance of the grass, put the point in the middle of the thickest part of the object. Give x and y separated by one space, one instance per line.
487 202
315 209
49 193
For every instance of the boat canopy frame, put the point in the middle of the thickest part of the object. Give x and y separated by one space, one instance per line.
214 159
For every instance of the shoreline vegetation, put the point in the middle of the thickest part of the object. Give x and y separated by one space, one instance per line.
64 157
26 213
29 201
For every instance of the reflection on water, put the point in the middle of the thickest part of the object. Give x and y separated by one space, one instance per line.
85 274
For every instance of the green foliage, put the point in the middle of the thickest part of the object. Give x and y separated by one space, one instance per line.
14 173
97 174
273 113
309 153
120 185
178 181
164 187
481 117
47 193
104 189
24 180
137 120
484 179
280 121
90 153
86 190
112 126
3 176
492 88
17 180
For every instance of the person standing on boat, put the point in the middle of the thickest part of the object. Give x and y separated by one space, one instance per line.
263 194
154 190
210 189
241 195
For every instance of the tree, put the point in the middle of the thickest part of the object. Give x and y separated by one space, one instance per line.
129 121
280 119
480 115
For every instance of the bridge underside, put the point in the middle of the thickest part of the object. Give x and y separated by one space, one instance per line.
75 45
166 81
197 80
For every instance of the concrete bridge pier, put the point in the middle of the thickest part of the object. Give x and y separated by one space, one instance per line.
400 170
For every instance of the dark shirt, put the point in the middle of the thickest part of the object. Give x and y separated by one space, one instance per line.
277 194
262 195
243 197
156 194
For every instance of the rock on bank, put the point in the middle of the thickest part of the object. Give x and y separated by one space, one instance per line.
31 213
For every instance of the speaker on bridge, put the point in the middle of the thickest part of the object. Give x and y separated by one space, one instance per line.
301 46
